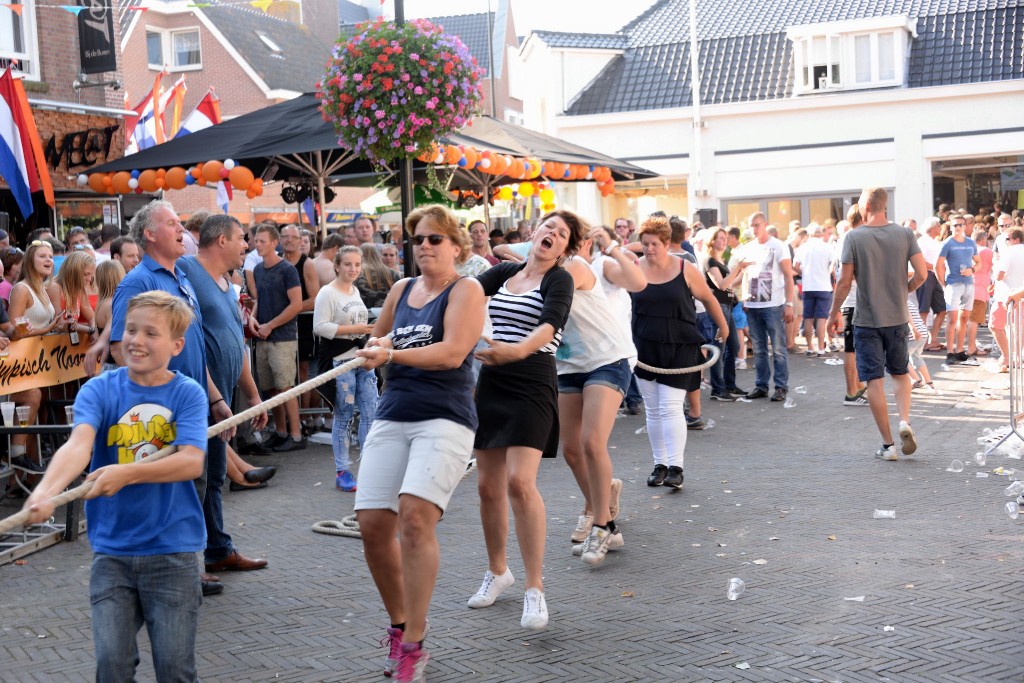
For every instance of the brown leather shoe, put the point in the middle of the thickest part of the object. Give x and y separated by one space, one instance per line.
235 562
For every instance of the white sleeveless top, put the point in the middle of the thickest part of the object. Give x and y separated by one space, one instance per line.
595 334
39 314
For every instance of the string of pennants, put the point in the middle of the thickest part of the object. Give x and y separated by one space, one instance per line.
262 5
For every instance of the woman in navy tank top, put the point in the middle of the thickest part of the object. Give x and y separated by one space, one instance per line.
422 437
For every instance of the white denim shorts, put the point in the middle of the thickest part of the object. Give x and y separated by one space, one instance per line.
425 459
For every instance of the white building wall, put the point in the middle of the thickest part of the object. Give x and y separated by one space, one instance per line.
902 118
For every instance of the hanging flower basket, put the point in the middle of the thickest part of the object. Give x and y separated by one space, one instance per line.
391 91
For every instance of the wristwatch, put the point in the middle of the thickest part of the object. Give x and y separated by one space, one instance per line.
788 303
611 245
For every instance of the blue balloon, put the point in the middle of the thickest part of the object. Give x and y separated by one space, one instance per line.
189 180
136 174
462 162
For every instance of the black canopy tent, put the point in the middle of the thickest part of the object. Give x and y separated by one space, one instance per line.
291 141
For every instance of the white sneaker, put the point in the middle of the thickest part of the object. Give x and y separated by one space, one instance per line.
535 610
615 542
582 530
741 363
491 588
907 438
886 453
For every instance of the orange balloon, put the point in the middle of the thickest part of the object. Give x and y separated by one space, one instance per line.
211 171
201 181
96 182
160 173
257 188
197 171
452 154
517 170
120 182
175 178
250 193
554 170
241 177
161 184
108 181
471 157
147 180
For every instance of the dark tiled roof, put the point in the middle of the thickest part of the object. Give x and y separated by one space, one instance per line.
606 41
351 12
745 54
471 29
303 57
968 47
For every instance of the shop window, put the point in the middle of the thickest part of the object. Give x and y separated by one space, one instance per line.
737 213
821 209
781 212
19 46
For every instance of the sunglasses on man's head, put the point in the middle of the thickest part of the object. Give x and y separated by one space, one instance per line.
433 239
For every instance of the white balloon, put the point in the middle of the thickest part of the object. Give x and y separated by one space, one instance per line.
133 183
83 179
229 164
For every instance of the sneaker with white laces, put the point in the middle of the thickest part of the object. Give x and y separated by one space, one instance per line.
412 666
582 530
491 588
535 610
741 363
887 453
909 443
393 641
596 546
615 542
613 500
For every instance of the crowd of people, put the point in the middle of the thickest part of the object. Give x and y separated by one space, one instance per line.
501 348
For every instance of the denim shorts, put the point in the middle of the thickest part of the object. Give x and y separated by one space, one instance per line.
614 375
959 296
880 349
816 305
739 316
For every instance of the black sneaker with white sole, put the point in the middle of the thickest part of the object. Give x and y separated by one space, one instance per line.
674 478
657 477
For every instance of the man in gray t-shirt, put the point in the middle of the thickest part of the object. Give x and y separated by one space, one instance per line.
876 254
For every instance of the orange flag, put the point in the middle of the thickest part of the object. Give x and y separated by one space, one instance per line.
45 183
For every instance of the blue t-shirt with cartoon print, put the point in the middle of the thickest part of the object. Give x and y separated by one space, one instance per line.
131 422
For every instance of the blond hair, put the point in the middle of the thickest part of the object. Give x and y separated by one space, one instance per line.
171 308
108 276
71 277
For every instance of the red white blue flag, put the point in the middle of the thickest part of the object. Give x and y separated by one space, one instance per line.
206 114
17 165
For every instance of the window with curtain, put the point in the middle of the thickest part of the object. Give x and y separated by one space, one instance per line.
185 45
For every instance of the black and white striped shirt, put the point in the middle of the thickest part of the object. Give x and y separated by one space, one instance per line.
515 317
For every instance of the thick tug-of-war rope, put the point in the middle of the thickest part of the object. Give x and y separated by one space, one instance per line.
19 519
710 348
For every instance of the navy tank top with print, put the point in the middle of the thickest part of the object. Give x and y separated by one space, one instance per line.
414 394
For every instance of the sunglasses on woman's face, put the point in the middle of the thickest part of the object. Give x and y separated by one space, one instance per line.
433 239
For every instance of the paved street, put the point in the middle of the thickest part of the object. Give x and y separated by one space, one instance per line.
782 498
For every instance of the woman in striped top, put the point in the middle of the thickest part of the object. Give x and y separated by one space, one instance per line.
517 401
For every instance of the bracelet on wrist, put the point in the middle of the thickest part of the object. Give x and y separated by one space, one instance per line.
391 357
218 401
611 245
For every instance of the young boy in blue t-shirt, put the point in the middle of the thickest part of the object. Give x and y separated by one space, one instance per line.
145 519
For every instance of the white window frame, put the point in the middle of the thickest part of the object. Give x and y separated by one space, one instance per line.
846 33
167 48
31 40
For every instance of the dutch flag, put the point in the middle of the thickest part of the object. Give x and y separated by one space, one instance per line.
206 114
17 165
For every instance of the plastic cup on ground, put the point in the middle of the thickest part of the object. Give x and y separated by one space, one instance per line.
735 589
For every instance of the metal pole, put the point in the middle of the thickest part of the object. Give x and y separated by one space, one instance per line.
696 182
490 57
405 178
320 196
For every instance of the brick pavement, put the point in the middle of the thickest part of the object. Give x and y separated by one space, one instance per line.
767 483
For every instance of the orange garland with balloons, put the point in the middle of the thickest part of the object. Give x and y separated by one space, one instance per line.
177 178
520 168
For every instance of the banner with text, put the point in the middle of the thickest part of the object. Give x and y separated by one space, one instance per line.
42 362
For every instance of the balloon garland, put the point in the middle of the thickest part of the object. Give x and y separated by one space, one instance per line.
176 178
520 168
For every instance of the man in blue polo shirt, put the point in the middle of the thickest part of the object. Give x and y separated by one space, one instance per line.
955 268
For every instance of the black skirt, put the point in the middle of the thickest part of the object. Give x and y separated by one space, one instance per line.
670 356
518 405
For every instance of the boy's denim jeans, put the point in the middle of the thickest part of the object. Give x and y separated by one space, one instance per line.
160 591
